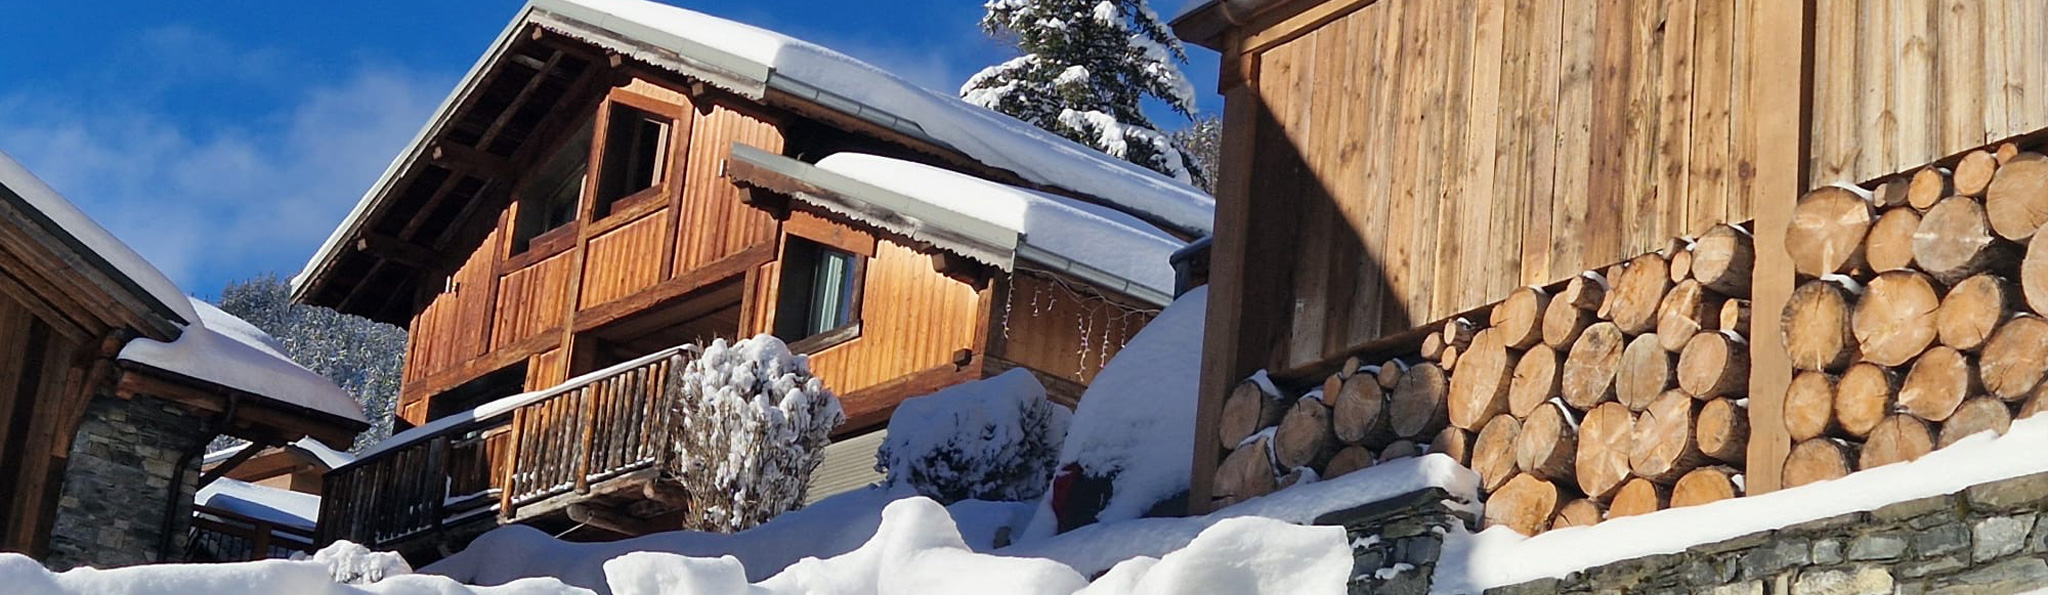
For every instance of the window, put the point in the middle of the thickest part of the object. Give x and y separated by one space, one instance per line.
635 147
820 290
550 198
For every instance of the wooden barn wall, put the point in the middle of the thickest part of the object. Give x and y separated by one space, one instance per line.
1900 83
1435 155
1062 330
912 319
41 417
717 223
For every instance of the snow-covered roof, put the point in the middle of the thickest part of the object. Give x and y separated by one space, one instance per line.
118 259
327 456
222 349
989 221
285 507
750 61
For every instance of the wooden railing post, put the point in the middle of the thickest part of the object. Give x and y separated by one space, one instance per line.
513 459
437 491
586 430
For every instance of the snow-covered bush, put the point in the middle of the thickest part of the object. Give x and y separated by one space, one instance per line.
353 564
752 426
993 439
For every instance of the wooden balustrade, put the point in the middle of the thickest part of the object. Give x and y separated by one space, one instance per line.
221 536
512 452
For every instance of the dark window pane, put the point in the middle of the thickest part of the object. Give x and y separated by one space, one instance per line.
550 197
817 292
636 144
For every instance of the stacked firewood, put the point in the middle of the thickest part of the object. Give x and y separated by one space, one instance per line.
1347 423
1613 394
1907 330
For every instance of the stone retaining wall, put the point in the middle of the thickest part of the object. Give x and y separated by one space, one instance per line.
1989 539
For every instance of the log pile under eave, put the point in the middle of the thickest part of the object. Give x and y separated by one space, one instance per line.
1618 392
1916 322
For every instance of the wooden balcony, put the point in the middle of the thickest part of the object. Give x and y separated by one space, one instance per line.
514 459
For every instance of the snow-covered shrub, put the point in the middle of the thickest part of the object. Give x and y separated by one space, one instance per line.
752 426
353 564
993 439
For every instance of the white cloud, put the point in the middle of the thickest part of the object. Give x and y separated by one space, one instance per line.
229 201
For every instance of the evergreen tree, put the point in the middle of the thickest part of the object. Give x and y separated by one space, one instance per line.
1085 66
361 356
1202 142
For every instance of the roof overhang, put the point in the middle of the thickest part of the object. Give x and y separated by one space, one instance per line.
868 205
154 317
1208 23
255 417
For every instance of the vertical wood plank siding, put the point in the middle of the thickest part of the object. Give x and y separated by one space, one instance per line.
1062 331
530 299
625 260
1440 154
911 318
445 334
1898 83
715 222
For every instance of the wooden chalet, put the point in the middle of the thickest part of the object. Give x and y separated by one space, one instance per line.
616 178
117 381
1430 182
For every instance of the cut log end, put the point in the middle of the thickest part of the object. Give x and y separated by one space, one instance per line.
1975 416
1493 452
1723 431
1638 496
1589 369
2015 358
1704 485
1826 234
1816 327
1817 460
1606 436
1898 439
1525 504
1894 320
1417 407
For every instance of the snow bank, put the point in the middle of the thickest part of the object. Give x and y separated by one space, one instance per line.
24 576
992 439
828 527
1099 547
284 507
1136 421
219 348
1497 556
1102 238
96 240
351 563
984 135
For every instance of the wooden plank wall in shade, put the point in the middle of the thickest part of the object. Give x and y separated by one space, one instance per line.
1435 155
625 259
1899 83
1061 330
530 299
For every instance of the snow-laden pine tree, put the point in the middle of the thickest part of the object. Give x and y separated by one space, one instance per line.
360 355
1086 64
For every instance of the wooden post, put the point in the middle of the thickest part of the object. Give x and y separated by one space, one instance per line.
1228 349
1780 112
586 423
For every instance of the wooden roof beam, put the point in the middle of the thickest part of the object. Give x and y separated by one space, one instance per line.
468 160
518 101
412 228
394 249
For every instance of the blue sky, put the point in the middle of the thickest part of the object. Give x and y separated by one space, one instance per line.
225 139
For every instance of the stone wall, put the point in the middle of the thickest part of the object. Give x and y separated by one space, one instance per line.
122 464
1396 542
1989 539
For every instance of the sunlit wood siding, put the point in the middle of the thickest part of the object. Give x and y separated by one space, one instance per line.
1899 83
912 320
530 299
1432 156
626 259
445 333
715 222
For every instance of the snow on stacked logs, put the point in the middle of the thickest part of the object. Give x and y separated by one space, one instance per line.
1917 318
1615 393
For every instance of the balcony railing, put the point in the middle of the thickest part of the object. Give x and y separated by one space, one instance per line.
221 536
505 454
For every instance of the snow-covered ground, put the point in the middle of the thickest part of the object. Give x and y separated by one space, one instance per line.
1498 556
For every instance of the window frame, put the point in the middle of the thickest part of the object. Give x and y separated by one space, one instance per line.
669 165
857 277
